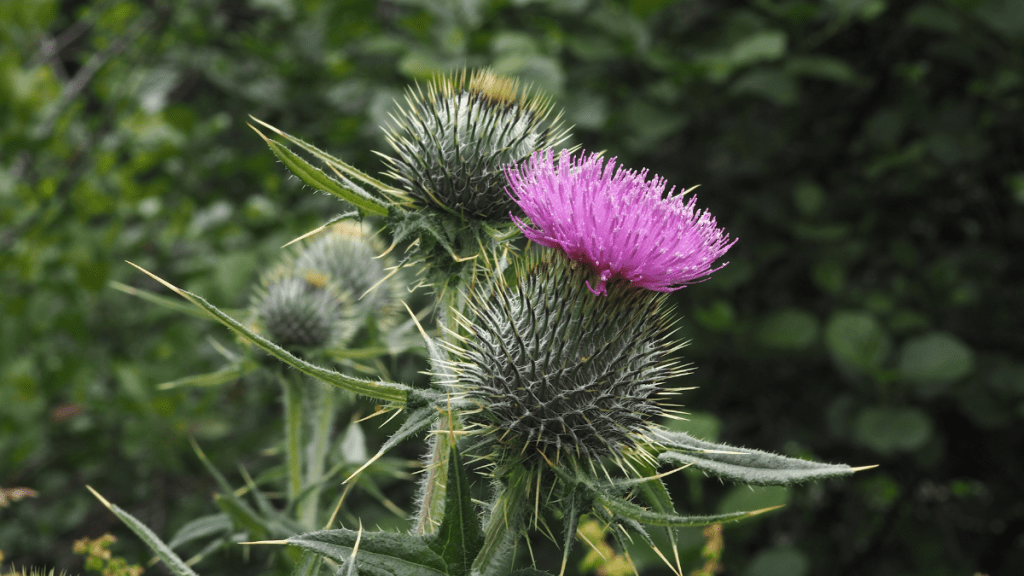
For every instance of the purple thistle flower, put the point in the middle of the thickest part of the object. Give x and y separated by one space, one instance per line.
616 221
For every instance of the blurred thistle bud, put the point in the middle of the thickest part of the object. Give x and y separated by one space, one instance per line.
347 253
312 298
555 372
302 311
453 139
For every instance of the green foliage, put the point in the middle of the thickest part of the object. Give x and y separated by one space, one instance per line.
98 557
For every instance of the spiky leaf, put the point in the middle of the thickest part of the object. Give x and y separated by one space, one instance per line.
200 528
229 373
314 177
459 538
384 552
173 562
389 391
418 420
743 464
333 162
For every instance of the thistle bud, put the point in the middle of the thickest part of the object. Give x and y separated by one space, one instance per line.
555 371
312 299
349 257
298 312
453 139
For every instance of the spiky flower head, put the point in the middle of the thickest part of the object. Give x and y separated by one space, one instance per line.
302 310
453 139
312 298
349 255
554 371
616 221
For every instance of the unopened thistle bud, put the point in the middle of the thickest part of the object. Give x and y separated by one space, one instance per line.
312 298
348 255
555 371
453 139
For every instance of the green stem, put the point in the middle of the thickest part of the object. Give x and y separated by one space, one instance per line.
435 478
503 526
291 388
319 402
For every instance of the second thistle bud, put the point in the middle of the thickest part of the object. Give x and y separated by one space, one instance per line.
453 139
556 372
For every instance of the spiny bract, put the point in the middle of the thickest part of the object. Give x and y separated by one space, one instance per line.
453 140
554 370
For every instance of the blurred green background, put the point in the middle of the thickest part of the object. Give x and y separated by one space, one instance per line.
869 155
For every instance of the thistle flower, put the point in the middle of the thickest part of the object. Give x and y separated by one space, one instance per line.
557 374
453 140
615 221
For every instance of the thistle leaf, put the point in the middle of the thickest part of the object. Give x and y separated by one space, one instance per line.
229 373
243 516
201 527
315 177
743 464
337 164
164 301
418 421
459 538
628 510
308 565
173 562
577 503
379 552
380 390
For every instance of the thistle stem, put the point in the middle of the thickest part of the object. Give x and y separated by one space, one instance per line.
503 526
291 388
435 478
319 403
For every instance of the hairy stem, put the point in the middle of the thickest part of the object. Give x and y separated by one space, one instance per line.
291 388
503 526
435 478
319 403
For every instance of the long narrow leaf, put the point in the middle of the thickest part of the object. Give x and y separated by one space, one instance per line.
342 167
389 391
743 464
418 421
629 510
229 373
459 537
169 303
173 562
315 177
395 554
201 527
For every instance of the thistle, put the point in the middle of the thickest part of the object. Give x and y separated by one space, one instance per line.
555 374
302 311
452 140
312 298
615 221
349 257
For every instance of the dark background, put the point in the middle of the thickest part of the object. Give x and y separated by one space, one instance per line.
867 154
